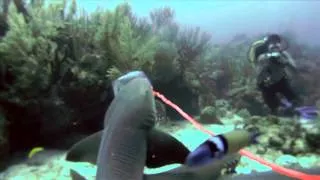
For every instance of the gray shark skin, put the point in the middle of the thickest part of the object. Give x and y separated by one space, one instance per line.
129 119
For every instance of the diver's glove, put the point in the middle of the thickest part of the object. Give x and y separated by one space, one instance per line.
306 112
123 80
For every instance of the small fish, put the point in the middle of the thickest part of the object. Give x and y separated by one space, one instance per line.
34 151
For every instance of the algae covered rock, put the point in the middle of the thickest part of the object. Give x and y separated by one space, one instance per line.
284 134
221 103
300 146
222 107
313 137
244 113
272 119
276 141
206 100
245 96
208 115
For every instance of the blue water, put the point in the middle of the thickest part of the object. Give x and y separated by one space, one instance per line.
224 19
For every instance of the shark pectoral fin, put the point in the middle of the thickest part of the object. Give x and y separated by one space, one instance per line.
76 176
163 149
85 150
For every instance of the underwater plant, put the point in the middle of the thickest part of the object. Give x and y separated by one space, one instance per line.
29 52
126 50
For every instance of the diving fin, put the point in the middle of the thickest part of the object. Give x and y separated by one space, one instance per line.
305 112
308 112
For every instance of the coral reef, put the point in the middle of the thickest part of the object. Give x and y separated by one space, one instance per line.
61 65
288 136
57 65
208 115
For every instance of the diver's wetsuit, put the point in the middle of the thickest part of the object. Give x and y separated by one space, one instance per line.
269 94
273 78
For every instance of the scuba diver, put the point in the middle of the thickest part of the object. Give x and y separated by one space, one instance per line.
275 68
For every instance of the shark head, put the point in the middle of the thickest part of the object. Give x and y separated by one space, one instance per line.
119 83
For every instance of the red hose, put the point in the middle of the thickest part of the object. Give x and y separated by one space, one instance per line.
279 169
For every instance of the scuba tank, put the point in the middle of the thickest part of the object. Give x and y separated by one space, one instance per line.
261 46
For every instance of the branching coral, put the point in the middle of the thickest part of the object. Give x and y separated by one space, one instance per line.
162 24
125 49
85 58
181 51
28 50
62 62
162 17
191 43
